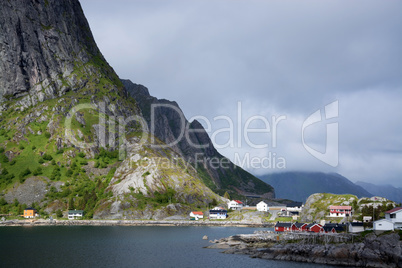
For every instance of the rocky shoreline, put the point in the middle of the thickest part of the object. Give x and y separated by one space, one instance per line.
130 223
372 251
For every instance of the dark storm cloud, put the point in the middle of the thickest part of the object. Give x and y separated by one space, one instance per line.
286 58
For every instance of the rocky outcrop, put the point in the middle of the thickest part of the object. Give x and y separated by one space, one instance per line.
373 251
32 190
45 46
167 122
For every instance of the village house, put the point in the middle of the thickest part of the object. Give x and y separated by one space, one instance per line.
383 225
328 229
340 211
197 215
299 227
283 227
355 227
262 206
294 209
395 215
218 213
30 213
339 227
75 214
235 205
314 227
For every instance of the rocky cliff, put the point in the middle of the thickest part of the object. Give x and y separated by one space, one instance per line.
45 48
71 135
167 122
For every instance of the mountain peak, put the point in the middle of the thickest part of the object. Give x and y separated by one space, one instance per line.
47 49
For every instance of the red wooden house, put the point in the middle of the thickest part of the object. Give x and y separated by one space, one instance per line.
299 227
283 227
314 227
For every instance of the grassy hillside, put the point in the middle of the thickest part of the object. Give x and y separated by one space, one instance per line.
317 207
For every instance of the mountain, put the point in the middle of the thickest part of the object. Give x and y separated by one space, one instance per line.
299 186
167 122
388 191
72 135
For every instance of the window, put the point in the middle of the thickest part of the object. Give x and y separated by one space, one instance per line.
392 216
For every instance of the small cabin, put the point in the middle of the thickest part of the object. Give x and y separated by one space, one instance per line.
75 214
30 213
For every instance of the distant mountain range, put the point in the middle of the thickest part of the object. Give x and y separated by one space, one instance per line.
298 186
387 191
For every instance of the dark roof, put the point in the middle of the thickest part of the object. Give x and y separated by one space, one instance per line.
294 204
283 224
218 211
394 210
29 209
357 224
337 226
328 228
75 211
299 224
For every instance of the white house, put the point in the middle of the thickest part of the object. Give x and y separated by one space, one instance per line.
383 225
294 208
262 206
395 216
235 205
340 211
74 214
218 213
197 215
355 227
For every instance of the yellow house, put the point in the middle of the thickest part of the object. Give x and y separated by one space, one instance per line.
30 213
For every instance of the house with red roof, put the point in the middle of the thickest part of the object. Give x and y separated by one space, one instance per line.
299 227
340 211
197 215
315 227
395 215
235 205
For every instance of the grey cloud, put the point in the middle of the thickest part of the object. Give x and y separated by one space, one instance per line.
277 57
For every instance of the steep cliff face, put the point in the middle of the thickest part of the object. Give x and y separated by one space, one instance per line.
71 134
168 123
44 48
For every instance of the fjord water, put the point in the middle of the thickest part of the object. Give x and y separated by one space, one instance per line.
122 246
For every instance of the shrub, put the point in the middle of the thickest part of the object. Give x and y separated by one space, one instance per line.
47 135
59 213
3 158
26 172
13 162
82 155
33 148
4 171
41 161
60 151
22 147
37 171
2 150
47 157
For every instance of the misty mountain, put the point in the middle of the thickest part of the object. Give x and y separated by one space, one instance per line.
388 191
299 186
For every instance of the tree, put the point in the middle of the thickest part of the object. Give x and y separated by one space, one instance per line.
226 195
71 203
214 203
59 213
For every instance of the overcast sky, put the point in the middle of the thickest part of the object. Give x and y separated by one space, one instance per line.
282 59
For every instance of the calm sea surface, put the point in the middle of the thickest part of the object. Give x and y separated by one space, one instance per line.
120 246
